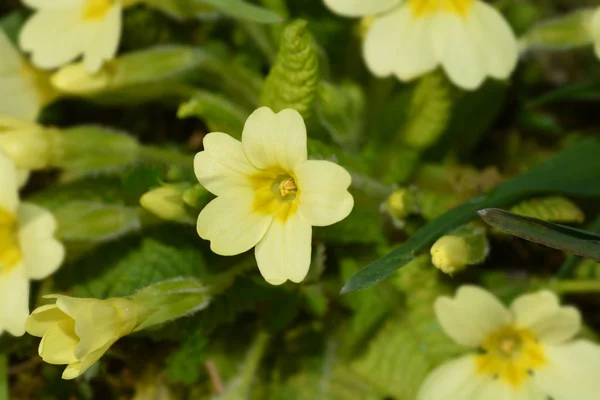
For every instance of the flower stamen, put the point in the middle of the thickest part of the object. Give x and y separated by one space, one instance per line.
288 188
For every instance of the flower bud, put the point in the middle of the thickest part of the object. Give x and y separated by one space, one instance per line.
74 79
465 246
167 202
77 332
450 254
29 145
401 203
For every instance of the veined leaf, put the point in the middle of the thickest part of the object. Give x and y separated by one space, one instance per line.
576 241
575 172
243 10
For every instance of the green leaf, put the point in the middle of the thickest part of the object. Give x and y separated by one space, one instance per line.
186 363
565 32
574 172
121 268
551 209
219 113
575 241
429 112
341 110
243 10
294 78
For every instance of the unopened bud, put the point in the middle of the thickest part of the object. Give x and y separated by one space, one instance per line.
74 79
29 145
467 245
167 203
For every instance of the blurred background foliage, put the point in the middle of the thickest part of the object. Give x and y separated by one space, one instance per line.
415 151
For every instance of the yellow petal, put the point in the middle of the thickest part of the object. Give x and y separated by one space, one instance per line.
231 225
495 40
75 369
54 4
104 42
58 344
456 50
284 253
43 318
471 315
72 306
97 326
9 197
542 314
324 198
572 371
54 37
456 380
399 44
42 253
223 166
275 140
360 8
14 300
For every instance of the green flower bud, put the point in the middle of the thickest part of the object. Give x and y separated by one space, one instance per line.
167 203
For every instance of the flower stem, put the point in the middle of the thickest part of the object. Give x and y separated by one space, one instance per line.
572 286
166 156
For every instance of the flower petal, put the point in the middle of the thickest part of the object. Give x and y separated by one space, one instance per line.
71 306
572 372
284 253
104 40
57 345
43 318
360 8
455 49
323 198
14 300
397 43
471 315
54 37
275 140
10 56
18 97
542 314
9 196
95 328
495 40
75 369
54 4
231 225
42 253
223 165
456 380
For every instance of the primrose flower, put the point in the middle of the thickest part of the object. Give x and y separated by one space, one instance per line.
269 194
77 332
526 351
27 250
408 38
62 30
23 91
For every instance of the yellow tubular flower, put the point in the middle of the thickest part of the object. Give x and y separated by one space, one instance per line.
62 30
269 194
526 352
469 39
27 250
30 146
77 332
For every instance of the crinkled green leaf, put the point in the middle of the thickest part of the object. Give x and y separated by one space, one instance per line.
552 209
294 78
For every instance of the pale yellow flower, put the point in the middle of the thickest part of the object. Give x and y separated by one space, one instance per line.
469 39
526 352
62 30
29 145
77 332
23 92
269 194
28 249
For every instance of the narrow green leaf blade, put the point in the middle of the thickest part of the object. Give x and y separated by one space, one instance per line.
574 172
243 10
561 237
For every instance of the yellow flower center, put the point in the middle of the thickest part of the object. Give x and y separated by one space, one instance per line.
276 193
10 252
422 8
96 9
510 355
